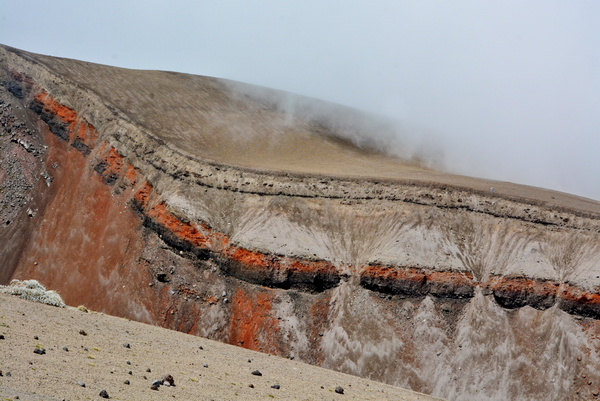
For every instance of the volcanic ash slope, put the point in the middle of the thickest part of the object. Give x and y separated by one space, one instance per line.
274 222
86 352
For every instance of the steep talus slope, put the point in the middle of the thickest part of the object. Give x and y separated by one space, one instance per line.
209 207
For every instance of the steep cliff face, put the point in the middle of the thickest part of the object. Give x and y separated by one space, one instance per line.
199 205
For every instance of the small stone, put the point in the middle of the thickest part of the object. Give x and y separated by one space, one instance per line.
251 385
157 382
206 365
65 349
276 386
36 338
103 394
162 277
168 380
39 351
1 336
200 347
130 372
154 387
256 373
127 345
339 390
1 373
8 374
82 332
128 362
126 382
148 370
249 360
81 384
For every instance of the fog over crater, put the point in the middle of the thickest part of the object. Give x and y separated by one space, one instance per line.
508 91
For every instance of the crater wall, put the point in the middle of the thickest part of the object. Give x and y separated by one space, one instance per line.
417 278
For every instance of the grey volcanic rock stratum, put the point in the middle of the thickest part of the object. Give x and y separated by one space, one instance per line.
276 223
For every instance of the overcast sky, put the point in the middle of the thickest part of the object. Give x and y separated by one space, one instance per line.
509 89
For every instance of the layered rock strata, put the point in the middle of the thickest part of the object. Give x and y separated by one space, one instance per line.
409 276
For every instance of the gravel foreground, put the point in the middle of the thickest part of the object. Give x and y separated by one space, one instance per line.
50 353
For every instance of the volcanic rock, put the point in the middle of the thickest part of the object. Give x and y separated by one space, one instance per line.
167 380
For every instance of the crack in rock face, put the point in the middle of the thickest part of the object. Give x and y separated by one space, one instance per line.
199 205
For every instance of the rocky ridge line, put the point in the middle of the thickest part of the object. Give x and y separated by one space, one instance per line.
151 155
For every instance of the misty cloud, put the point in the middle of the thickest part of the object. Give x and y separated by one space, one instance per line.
504 90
